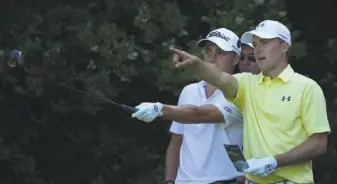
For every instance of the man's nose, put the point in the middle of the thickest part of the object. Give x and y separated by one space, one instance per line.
213 58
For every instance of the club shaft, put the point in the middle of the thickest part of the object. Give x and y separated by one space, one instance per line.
18 55
123 106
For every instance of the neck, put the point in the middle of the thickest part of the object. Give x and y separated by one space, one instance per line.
277 70
231 71
210 89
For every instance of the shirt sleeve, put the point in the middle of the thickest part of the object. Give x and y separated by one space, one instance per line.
230 112
313 110
176 127
238 100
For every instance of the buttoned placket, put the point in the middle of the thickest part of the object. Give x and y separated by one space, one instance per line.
267 84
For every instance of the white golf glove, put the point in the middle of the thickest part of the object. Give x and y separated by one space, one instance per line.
148 112
261 167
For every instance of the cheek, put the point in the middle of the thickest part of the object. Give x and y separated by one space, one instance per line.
225 61
205 57
272 52
254 65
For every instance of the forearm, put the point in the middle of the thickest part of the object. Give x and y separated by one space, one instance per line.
172 159
171 168
211 74
192 114
306 151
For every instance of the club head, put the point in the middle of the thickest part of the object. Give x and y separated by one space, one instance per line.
14 59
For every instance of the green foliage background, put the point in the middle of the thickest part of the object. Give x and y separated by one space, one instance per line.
119 49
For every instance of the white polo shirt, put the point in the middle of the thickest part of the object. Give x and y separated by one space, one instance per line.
203 158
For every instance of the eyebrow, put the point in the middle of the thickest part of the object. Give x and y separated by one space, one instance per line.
219 49
206 47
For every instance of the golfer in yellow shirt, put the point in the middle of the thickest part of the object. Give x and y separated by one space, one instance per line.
285 118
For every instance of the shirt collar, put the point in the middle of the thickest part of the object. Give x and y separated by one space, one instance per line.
202 83
285 75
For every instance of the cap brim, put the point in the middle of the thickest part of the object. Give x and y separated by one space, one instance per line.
202 42
249 44
247 37
216 41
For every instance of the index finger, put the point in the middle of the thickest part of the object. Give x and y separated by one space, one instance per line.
175 58
177 51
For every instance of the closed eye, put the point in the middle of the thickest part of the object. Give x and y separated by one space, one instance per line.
207 51
221 52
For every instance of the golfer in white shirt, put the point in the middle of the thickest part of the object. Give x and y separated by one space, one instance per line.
196 154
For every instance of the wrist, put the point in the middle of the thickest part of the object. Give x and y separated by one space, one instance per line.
159 108
279 160
274 161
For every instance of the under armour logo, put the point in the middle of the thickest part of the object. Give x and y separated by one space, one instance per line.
228 109
155 108
269 168
288 98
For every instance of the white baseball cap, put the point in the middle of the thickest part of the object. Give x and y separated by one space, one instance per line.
268 29
245 42
225 39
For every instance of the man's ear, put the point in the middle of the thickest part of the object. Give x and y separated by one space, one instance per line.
236 59
285 47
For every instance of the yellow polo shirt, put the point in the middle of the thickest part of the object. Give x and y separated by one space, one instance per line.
280 114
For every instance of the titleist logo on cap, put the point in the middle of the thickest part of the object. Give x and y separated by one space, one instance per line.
218 34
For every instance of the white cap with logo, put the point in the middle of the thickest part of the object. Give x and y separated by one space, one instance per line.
225 39
268 29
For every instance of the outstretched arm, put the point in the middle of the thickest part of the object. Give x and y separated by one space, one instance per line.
207 72
191 114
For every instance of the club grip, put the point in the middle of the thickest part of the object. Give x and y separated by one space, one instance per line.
128 108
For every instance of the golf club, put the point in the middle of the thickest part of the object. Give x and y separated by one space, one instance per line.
15 59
